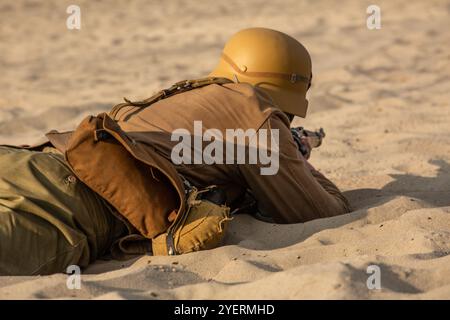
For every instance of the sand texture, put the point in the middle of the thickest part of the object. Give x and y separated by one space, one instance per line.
381 95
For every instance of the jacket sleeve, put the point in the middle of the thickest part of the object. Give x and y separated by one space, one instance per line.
296 192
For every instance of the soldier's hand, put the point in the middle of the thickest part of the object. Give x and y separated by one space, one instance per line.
306 147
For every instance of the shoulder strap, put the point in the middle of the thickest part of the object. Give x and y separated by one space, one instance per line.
178 87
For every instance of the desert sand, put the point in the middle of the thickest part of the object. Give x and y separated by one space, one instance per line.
381 95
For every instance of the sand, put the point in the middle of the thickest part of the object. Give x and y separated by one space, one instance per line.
381 95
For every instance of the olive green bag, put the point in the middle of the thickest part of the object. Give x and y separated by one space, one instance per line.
202 226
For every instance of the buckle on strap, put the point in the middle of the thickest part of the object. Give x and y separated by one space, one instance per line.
101 135
294 78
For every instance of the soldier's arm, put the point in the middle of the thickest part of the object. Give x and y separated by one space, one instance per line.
297 192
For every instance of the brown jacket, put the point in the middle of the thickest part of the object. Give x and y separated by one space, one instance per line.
296 193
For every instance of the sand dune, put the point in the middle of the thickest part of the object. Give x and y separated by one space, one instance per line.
382 97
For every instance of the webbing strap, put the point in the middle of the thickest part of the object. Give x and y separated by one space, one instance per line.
178 87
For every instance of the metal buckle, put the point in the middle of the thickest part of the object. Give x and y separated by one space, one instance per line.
294 78
101 135
187 84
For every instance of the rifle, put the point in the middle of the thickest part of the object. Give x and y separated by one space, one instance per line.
314 138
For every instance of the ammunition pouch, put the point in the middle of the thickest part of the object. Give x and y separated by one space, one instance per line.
202 226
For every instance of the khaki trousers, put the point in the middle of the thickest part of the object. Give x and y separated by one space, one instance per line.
49 219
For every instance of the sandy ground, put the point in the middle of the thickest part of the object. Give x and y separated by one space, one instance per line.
382 96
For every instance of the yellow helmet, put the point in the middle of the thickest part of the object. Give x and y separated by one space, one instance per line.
272 61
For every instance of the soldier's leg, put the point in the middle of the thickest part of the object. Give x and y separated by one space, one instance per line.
48 219
30 245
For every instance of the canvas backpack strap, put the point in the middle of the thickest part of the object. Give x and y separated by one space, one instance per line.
176 88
